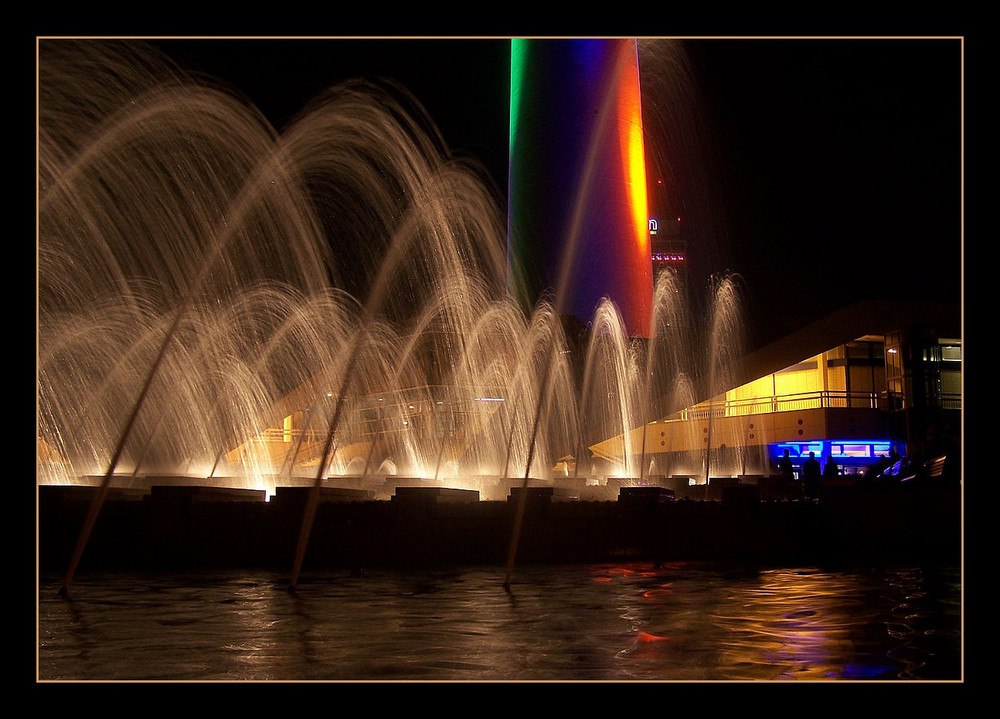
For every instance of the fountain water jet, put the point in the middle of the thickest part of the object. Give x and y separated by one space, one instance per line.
599 144
336 292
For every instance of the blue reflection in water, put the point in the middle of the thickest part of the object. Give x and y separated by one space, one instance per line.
678 622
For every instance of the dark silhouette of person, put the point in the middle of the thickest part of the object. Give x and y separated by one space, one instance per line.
811 476
830 469
874 470
785 468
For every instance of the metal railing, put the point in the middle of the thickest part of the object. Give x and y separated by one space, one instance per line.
824 399
820 399
951 401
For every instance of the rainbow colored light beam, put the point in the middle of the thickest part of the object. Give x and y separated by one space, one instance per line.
577 207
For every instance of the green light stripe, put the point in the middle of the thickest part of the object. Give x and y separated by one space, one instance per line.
518 67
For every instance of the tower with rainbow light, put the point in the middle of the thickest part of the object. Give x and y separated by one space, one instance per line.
577 205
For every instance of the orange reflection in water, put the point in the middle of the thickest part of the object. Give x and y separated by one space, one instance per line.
651 593
778 624
608 573
647 638
790 624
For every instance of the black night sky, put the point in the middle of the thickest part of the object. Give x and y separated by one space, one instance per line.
838 161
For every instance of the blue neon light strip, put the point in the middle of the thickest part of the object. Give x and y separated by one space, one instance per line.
835 448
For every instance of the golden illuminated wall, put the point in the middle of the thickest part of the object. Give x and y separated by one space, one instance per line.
759 388
809 376
853 368
770 408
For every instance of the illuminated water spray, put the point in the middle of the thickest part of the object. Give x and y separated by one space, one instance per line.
218 300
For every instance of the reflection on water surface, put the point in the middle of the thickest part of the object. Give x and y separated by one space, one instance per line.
682 621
